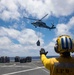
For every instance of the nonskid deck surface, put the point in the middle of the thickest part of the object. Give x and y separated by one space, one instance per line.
16 68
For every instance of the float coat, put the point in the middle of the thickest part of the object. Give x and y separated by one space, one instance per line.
59 66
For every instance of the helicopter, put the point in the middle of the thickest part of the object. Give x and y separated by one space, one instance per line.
40 23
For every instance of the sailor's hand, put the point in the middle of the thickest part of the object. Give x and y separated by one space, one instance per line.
42 51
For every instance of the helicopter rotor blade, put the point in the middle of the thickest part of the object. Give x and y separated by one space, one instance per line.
43 16
30 18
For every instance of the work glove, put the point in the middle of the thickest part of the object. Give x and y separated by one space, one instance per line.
42 51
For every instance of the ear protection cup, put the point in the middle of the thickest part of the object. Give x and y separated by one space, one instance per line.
56 47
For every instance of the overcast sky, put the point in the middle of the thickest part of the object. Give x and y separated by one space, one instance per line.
18 36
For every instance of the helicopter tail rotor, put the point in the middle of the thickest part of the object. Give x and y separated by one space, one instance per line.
53 27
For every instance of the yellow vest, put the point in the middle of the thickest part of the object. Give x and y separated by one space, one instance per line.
59 66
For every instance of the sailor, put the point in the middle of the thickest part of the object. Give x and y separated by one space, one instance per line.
63 64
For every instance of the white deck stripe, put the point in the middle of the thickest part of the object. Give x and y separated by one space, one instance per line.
15 66
23 71
45 71
41 69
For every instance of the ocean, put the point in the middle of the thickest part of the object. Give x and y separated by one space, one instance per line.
34 58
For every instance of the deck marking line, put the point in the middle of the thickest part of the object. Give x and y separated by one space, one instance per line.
23 71
41 69
15 66
45 70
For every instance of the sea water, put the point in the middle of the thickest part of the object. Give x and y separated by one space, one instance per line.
34 58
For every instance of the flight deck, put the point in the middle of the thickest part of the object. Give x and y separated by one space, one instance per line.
29 68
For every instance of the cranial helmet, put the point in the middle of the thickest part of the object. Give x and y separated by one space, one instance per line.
64 43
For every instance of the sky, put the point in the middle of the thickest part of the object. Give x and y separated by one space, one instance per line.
18 36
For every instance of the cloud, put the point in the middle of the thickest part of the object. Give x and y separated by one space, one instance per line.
4 41
15 9
61 8
9 32
9 10
14 42
50 48
66 29
28 36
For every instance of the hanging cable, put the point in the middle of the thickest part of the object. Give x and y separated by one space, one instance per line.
38 42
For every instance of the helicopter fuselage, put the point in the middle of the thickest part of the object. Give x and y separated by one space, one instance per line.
39 24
